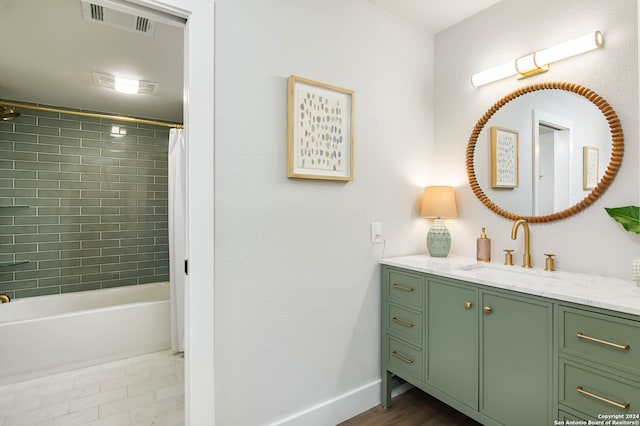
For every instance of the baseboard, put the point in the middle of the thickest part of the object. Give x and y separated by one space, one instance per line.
340 408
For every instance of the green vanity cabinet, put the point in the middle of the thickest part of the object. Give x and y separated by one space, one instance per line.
516 359
402 344
483 339
452 326
599 363
487 353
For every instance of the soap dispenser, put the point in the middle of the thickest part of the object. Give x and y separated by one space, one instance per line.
483 248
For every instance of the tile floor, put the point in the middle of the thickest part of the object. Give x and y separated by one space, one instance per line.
141 391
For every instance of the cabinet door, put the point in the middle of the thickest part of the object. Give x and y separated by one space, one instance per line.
516 359
452 326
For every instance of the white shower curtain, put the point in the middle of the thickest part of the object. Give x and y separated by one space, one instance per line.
177 233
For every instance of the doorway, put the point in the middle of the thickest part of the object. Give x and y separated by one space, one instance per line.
198 113
552 136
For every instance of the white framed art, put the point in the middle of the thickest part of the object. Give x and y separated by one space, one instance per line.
319 130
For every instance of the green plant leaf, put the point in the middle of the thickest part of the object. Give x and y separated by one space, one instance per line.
628 217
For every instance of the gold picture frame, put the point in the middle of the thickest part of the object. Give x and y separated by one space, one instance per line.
589 167
504 158
319 131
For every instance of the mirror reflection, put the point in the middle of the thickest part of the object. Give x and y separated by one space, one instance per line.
553 127
544 152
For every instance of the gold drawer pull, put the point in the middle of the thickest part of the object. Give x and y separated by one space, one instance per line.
624 405
405 323
402 358
604 342
487 310
467 305
401 287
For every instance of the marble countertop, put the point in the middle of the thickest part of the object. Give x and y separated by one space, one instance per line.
593 290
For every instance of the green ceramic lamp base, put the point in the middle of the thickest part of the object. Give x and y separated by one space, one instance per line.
438 239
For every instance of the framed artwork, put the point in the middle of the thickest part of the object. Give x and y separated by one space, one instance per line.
504 158
319 131
589 167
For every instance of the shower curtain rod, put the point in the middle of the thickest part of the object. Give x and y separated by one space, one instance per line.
92 114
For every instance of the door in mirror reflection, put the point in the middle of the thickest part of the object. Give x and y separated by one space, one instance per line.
552 159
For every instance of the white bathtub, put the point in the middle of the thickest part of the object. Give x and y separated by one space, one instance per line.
49 334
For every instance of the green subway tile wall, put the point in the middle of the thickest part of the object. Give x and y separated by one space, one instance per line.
80 209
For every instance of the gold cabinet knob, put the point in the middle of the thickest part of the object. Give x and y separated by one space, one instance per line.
487 310
467 304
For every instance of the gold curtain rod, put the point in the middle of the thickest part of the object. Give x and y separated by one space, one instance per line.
91 114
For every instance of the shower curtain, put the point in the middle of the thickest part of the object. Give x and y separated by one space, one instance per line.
177 233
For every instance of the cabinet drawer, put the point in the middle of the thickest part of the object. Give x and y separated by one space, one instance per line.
594 392
563 416
406 287
602 338
404 358
406 323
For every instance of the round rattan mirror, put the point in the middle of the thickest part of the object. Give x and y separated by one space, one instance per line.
528 142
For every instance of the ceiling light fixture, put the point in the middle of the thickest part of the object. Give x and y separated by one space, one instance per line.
537 62
126 85
109 81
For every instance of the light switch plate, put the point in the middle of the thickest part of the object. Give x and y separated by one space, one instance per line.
376 232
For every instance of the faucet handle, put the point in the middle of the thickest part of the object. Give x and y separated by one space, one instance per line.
508 257
549 263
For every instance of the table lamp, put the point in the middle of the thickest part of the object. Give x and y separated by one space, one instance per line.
439 202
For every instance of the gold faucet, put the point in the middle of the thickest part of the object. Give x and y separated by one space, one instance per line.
526 260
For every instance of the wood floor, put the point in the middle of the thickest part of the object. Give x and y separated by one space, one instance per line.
412 408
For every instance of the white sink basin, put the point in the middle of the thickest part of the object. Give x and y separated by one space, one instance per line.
502 273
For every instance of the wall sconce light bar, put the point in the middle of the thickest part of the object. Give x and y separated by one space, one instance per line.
537 62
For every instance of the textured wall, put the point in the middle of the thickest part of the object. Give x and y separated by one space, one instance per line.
297 278
93 208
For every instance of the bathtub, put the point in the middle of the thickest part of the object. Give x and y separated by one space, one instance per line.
49 334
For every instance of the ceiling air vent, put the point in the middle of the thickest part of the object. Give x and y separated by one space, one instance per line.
110 13
143 24
97 12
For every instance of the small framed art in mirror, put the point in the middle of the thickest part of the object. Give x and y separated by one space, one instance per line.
504 158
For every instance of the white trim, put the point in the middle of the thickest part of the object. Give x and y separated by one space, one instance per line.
342 407
199 139
162 8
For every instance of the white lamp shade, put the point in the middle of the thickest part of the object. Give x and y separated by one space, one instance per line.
439 202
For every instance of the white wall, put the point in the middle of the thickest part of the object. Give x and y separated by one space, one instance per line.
590 241
297 279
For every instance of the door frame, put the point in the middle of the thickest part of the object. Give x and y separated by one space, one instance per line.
199 138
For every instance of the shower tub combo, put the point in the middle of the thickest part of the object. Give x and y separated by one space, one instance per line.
49 334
